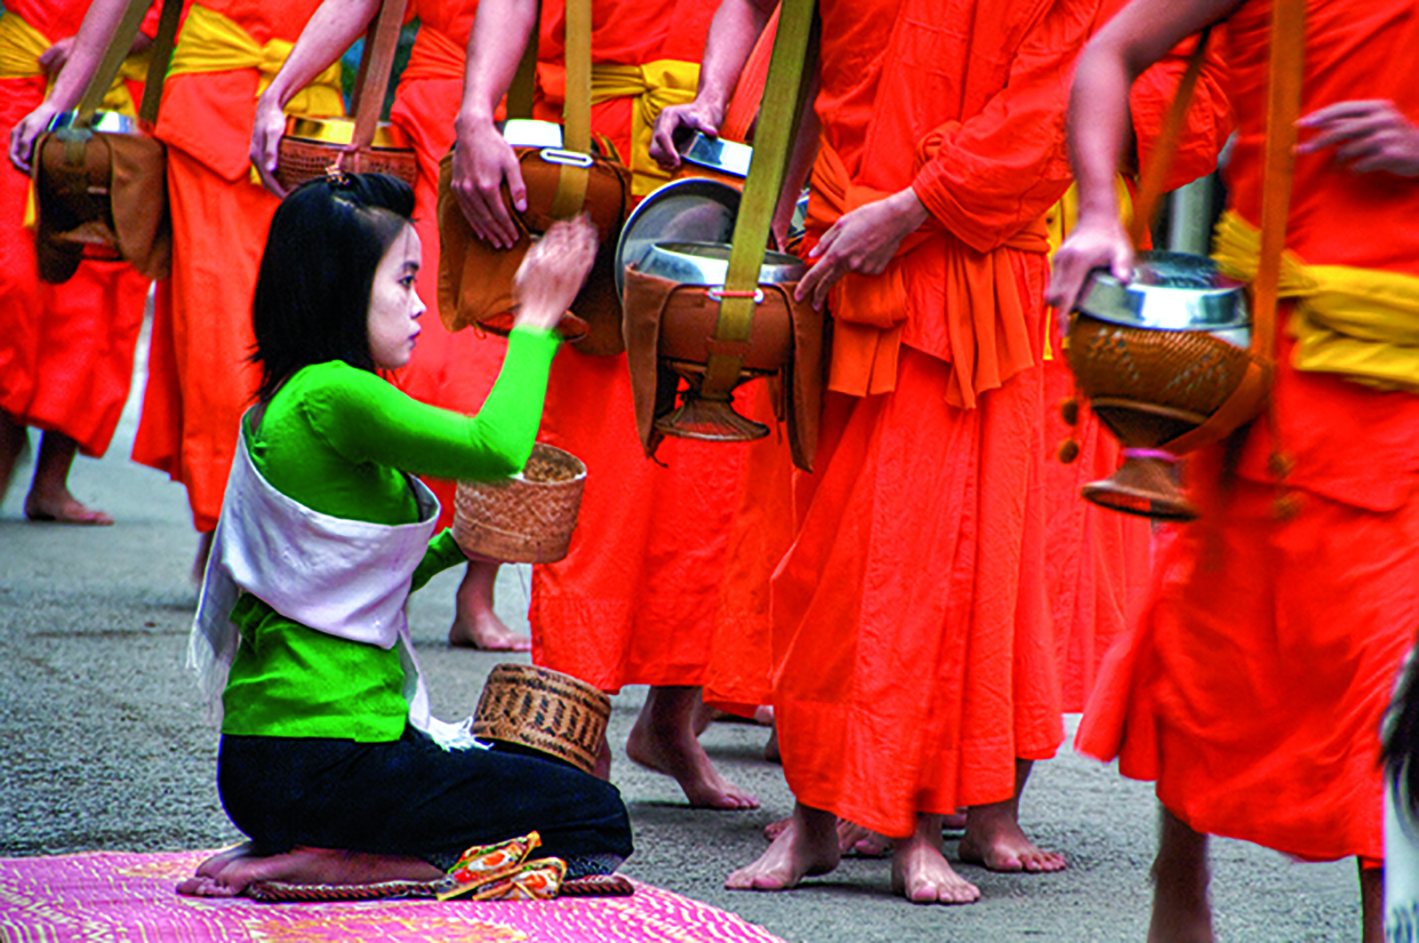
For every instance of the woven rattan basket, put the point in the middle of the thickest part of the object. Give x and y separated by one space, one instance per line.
312 145
528 518
543 710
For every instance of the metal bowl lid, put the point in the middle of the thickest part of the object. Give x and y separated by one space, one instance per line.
109 122
525 132
707 263
340 131
1170 291
692 209
726 157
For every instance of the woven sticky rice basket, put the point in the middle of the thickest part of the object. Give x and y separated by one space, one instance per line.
543 710
311 146
528 518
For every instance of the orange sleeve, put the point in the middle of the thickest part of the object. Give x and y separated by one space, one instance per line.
1209 115
988 177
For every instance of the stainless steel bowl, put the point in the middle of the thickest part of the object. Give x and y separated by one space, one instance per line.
692 209
109 122
1171 291
727 157
707 263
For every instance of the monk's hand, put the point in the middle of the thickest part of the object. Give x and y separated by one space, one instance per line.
52 59
482 161
1368 136
677 123
26 131
861 242
552 273
266 134
1098 242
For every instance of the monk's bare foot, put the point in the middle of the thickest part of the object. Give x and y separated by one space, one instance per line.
808 846
703 716
63 508
955 822
997 843
858 840
664 740
771 751
475 624
776 828
921 873
231 876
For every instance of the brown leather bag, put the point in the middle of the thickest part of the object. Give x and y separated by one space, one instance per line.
475 279
102 194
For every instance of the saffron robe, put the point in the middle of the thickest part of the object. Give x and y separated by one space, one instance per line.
1252 689
1098 561
66 351
199 378
632 601
913 655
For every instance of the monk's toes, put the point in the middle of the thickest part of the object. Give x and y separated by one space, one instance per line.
1043 861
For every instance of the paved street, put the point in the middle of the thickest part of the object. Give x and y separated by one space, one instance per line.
103 746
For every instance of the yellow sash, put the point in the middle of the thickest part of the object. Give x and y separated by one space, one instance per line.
21 45
655 86
1361 323
210 42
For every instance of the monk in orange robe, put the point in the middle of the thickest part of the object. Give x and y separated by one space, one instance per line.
451 370
66 351
1253 687
199 377
914 663
632 601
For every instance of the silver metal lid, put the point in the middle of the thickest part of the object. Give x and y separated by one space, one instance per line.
692 209
1170 291
524 132
707 263
729 157
109 122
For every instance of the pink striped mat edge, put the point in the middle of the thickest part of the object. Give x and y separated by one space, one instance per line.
130 898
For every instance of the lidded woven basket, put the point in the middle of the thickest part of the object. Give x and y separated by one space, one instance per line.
527 518
543 710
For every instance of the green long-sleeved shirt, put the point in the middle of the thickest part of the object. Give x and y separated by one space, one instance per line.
339 440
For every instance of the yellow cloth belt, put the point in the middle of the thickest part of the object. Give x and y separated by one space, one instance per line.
655 86
1362 323
212 43
21 45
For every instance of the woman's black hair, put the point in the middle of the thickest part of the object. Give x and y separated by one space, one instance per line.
1399 740
313 292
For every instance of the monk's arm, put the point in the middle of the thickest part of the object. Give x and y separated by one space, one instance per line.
100 23
333 28
482 159
1130 43
733 32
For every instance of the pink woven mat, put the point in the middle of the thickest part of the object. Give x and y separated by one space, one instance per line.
128 898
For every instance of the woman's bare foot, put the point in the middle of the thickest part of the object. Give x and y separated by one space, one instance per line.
995 841
664 740
921 873
228 874
475 624
807 847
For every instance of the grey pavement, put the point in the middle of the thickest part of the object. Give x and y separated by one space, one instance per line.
103 747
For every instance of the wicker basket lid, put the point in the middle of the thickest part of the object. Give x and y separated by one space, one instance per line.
543 710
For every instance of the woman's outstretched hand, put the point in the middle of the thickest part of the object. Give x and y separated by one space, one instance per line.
552 273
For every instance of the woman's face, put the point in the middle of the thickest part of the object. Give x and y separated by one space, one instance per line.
395 305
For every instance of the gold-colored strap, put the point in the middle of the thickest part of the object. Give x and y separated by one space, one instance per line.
785 92
376 64
113 56
161 57
1286 70
573 178
1154 176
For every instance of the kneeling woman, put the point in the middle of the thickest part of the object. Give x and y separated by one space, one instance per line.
329 760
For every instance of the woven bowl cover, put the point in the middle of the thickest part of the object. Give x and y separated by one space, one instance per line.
298 161
528 518
545 711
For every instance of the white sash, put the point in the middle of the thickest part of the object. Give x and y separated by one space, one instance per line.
342 577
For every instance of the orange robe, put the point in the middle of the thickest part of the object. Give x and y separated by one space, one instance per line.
199 378
66 351
1253 688
913 655
1098 561
632 602
452 370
